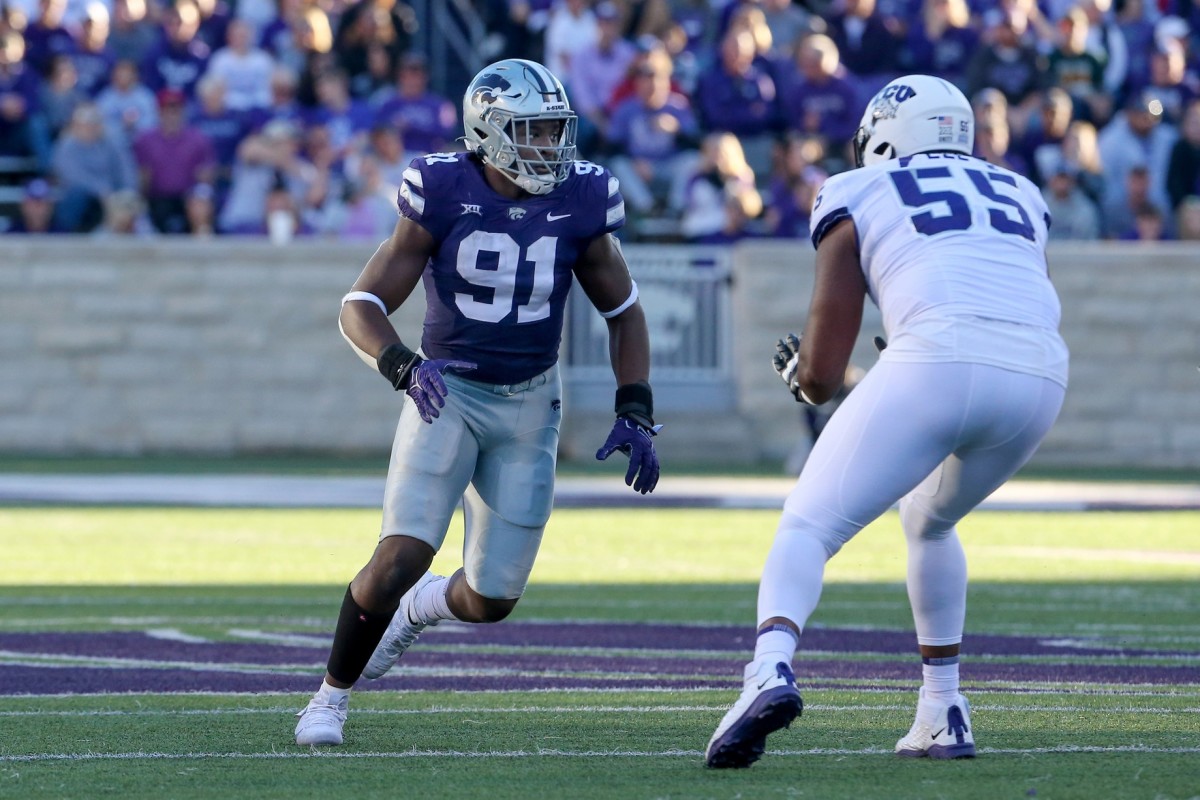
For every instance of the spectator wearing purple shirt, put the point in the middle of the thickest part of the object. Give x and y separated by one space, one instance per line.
1040 147
992 144
941 41
1137 32
1170 81
348 120
36 215
598 68
738 95
793 187
655 135
45 37
427 122
92 58
132 33
215 16
1006 62
223 126
865 40
172 159
278 36
23 131
821 102
178 59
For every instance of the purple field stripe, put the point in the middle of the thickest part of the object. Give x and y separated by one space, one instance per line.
136 644
41 680
1061 665
26 679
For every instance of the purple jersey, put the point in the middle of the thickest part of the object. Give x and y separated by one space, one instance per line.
496 286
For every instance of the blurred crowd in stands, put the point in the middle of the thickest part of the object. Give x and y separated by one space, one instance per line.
720 117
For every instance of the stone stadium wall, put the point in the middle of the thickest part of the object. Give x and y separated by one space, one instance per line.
231 346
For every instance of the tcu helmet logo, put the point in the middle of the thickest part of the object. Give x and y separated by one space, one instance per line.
888 101
489 87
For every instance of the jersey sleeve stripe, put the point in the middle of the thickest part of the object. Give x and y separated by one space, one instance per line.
413 176
410 195
616 215
613 185
828 222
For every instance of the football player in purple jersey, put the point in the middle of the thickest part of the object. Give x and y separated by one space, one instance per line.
496 234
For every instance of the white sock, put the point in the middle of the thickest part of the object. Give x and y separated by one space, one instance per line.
430 606
332 694
775 645
941 678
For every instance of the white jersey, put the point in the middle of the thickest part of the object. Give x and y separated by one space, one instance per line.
953 251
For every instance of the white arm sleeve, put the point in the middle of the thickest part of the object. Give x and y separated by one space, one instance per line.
368 298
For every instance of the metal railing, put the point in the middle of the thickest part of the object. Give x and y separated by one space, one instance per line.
685 293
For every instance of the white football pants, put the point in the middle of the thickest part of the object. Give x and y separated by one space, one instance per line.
936 437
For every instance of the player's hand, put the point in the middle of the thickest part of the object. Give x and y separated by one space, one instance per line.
787 363
426 387
634 440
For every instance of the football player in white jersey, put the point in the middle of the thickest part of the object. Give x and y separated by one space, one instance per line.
952 250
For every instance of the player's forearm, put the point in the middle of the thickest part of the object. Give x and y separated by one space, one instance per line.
629 346
365 328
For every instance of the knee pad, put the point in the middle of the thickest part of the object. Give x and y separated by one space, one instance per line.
831 537
919 523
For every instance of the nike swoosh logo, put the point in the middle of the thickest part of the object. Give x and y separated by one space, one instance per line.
551 217
939 732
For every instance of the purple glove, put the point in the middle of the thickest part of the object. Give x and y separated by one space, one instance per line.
634 440
426 387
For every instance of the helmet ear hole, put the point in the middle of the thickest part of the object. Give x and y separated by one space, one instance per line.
882 149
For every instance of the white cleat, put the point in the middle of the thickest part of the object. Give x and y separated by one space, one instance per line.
400 634
769 701
948 736
321 722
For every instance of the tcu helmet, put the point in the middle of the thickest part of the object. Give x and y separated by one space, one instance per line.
914 114
500 105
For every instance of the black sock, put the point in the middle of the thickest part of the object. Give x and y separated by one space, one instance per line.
358 632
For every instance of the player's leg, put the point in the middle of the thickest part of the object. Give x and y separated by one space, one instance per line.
1007 415
888 434
505 507
430 466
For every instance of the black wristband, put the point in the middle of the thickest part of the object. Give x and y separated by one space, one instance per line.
396 363
636 401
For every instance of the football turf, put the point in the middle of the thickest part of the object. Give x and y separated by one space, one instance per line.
1082 661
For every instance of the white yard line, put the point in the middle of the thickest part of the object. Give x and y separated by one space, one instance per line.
585 754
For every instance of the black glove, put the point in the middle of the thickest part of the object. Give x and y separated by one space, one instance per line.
880 343
787 363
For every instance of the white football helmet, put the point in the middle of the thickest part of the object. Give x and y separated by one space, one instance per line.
500 104
914 114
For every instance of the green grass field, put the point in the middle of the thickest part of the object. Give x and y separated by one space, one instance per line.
1114 591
